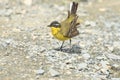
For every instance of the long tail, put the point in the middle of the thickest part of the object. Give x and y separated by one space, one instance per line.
73 9
73 17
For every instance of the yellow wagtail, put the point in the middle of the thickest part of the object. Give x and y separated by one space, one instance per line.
67 29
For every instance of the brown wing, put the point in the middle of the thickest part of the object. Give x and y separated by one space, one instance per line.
65 26
72 32
69 27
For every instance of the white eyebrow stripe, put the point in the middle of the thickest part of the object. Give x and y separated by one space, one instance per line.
57 24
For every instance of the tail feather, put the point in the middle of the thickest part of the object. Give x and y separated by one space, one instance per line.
74 8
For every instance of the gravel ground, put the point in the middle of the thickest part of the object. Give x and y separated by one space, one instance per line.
28 51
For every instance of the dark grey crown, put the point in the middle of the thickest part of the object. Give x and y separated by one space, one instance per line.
55 24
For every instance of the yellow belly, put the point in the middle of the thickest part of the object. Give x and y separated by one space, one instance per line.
56 33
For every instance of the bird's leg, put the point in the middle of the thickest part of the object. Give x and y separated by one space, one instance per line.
70 43
61 46
70 46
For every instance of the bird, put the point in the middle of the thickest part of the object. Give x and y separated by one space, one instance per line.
66 29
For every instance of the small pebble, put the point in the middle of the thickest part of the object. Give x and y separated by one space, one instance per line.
27 2
100 57
86 56
82 66
90 23
97 67
113 56
105 71
104 64
51 79
115 78
115 65
40 72
54 73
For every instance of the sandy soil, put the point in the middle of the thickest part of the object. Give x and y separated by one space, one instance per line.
28 51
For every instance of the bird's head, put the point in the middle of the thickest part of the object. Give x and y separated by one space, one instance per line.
55 24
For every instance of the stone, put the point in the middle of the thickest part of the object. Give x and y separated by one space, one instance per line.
54 73
40 72
115 78
105 71
96 67
115 65
86 56
27 2
113 56
90 23
6 12
100 57
82 66
102 9
76 48
104 64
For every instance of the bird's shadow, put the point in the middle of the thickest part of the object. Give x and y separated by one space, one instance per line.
75 49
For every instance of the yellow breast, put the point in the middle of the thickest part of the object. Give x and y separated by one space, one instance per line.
56 33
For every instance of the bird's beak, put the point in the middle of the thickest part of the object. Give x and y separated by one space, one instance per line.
48 25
